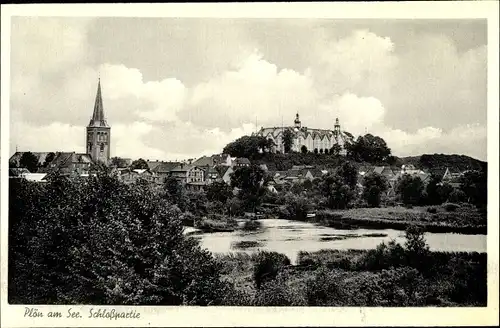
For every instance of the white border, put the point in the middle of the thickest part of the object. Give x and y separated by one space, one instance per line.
12 316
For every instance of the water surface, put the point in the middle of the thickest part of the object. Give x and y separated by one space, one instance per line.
290 237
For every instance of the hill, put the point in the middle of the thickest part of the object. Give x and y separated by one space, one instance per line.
428 162
441 161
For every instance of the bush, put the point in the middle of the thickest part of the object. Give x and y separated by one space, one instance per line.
323 289
450 207
277 292
457 196
251 225
267 266
432 210
384 256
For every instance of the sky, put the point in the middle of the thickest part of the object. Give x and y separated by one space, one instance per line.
178 88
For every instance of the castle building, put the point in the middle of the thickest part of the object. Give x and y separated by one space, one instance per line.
314 139
98 132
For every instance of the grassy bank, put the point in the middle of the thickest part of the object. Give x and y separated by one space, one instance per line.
458 219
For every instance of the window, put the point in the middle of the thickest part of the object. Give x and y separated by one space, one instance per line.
102 148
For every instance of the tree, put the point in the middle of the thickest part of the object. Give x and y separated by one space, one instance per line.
103 242
49 158
337 192
219 191
248 146
287 140
433 195
303 149
374 185
321 151
316 150
410 189
119 162
139 164
29 161
475 186
249 181
369 148
335 150
349 174
326 151
173 190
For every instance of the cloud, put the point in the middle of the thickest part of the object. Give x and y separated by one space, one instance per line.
191 86
255 90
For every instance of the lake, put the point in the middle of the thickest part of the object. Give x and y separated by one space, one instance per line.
290 237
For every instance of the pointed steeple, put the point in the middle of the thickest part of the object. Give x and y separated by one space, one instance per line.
98 116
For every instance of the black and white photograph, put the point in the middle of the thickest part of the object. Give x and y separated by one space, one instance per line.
307 162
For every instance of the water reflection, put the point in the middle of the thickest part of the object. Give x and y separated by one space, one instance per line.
290 237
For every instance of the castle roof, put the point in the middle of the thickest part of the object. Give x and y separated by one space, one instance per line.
98 119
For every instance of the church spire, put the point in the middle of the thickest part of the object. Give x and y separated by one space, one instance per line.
98 116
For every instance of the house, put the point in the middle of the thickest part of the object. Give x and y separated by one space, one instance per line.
196 186
241 161
218 159
65 162
132 176
186 173
22 173
224 173
450 175
17 172
162 170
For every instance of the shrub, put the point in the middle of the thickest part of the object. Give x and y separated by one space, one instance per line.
251 225
432 210
382 257
267 266
323 289
278 293
450 207
457 196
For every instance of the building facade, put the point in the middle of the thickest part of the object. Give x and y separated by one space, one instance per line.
99 132
319 140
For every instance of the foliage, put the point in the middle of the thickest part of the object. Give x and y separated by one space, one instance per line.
251 225
374 185
338 194
249 179
121 162
99 241
267 266
323 289
303 149
369 148
29 161
248 146
219 191
278 292
457 196
434 196
287 140
139 164
450 207
335 150
410 189
475 186
49 158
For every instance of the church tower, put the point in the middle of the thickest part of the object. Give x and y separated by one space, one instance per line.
98 132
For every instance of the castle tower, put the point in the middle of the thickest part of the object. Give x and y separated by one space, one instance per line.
336 130
297 121
98 132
